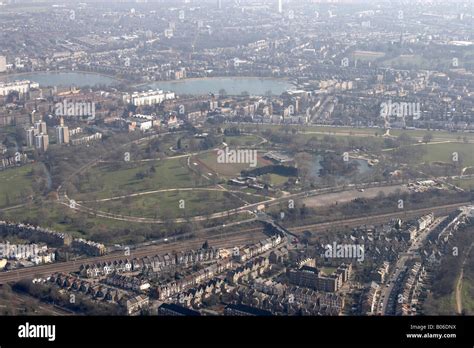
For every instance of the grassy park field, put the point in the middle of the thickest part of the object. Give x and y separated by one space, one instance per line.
167 188
118 178
16 184
445 153
208 160
466 184
361 132
174 204
153 188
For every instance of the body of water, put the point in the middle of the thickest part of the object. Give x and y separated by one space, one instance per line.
362 169
232 85
199 86
64 79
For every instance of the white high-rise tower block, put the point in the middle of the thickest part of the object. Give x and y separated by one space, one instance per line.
280 6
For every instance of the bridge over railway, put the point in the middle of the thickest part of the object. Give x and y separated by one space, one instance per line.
267 219
232 239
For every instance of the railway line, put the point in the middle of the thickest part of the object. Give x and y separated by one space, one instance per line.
236 238
354 222
318 227
220 240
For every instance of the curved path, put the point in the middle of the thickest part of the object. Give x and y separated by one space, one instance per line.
245 208
459 283
169 190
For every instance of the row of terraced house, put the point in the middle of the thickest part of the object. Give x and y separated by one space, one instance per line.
53 238
195 296
166 291
129 303
253 250
306 298
147 264
251 269
407 301
35 233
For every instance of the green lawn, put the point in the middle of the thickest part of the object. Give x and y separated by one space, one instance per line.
209 163
16 184
414 133
115 179
109 231
444 153
466 184
62 219
167 204
369 132
241 140
277 180
467 295
406 59
417 61
367 56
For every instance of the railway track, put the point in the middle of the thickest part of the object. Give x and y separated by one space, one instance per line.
229 239
218 241
445 209
323 226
